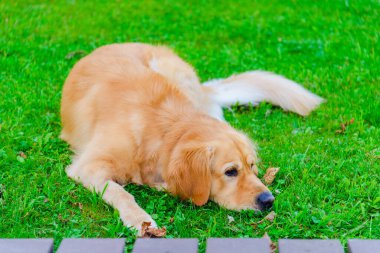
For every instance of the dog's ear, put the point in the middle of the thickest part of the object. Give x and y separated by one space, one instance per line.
189 173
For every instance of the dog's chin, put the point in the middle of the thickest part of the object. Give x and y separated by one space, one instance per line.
253 208
240 208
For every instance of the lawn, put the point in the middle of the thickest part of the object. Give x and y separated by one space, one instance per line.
328 184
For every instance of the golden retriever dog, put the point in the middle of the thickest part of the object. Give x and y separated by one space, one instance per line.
137 113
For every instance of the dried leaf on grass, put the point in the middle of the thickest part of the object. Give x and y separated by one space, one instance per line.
230 219
270 175
270 217
63 219
148 231
22 154
77 204
273 246
343 126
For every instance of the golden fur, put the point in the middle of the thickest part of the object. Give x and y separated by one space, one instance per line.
135 113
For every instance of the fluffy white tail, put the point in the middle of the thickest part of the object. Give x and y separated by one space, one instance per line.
256 86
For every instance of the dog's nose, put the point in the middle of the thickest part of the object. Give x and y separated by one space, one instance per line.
265 200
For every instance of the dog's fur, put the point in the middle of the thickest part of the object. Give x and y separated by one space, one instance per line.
137 113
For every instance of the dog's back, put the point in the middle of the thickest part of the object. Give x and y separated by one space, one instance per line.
116 81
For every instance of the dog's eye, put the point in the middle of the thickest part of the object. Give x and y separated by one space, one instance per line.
231 172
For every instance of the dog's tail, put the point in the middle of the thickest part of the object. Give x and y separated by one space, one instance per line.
256 86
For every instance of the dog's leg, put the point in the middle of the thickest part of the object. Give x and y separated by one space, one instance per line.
97 175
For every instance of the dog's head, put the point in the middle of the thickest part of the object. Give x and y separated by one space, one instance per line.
219 164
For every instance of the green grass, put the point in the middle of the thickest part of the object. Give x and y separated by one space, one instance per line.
328 185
